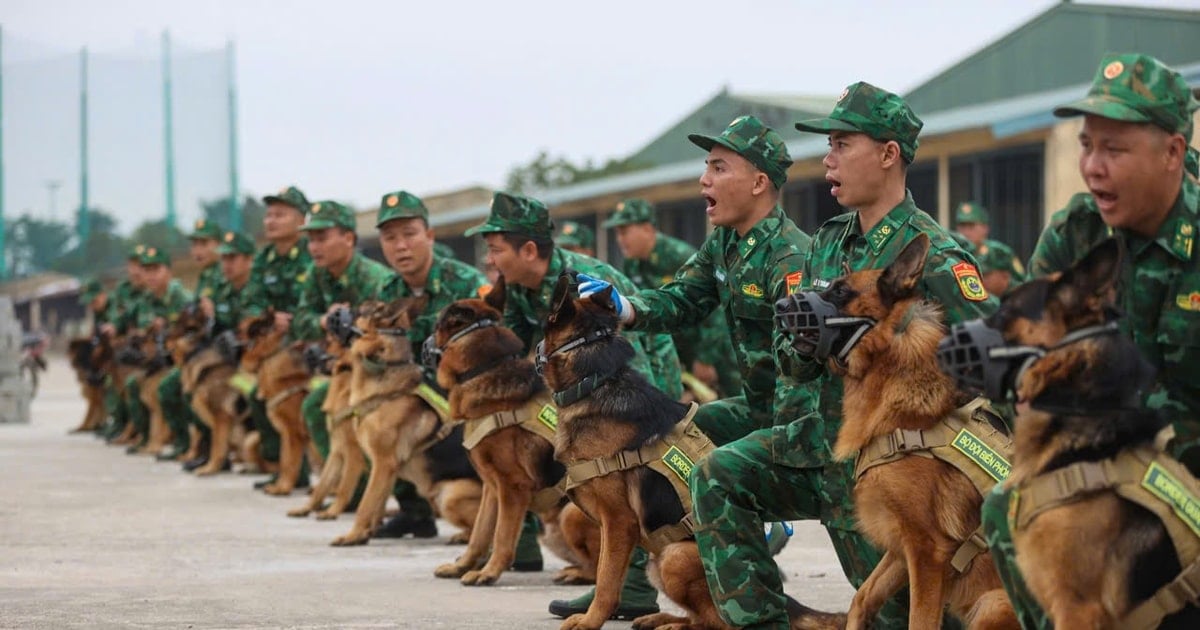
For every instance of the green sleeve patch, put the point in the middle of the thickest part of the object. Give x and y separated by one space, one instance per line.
549 416
983 455
1163 485
678 462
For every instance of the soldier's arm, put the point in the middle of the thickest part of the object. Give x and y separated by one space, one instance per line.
801 369
254 300
959 289
306 320
685 301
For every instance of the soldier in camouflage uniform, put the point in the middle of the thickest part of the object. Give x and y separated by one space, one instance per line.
340 275
176 410
275 283
518 233
1135 162
1002 270
651 260
164 298
576 237
121 299
407 243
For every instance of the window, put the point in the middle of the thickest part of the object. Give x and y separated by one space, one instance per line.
1009 183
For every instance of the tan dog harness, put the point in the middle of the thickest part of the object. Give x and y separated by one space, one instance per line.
1153 480
673 457
539 417
277 399
964 439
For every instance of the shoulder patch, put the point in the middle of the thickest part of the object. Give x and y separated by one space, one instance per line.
969 282
1188 301
793 281
752 290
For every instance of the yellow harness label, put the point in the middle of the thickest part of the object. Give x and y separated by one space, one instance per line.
549 417
983 455
1161 484
678 462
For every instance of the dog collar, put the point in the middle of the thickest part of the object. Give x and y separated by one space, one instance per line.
543 357
582 388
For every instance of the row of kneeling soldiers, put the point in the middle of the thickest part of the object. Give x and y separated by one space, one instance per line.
1021 462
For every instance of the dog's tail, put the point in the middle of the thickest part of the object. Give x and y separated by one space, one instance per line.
802 617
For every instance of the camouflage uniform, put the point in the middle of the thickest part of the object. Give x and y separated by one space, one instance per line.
176 408
786 472
232 304
362 280
448 280
121 300
1158 290
708 342
576 237
992 255
275 282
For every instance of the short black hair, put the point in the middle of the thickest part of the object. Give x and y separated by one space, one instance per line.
544 246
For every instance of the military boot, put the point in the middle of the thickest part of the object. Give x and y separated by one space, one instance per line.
638 596
529 552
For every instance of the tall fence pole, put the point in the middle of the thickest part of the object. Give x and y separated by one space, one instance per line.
3 248
168 131
84 221
235 195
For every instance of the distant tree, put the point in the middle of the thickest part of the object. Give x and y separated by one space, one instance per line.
545 172
159 234
252 214
35 244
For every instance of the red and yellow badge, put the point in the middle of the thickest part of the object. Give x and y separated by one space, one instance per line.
1188 301
752 290
793 281
969 282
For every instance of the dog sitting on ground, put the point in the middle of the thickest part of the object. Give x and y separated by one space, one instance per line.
918 489
1102 519
156 364
510 422
91 358
204 375
400 430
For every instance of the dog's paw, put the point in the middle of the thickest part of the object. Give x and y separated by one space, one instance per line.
660 621
479 578
573 576
299 512
207 471
328 515
449 570
350 540
461 538
579 622
277 491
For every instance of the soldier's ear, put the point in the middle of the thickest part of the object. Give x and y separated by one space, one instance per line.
495 295
899 280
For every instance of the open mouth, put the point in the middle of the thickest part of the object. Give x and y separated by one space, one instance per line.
709 203
1105 200
835 185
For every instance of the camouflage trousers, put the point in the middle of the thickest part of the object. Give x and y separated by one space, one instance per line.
1185 448
738 487
177 411
134 409
729 419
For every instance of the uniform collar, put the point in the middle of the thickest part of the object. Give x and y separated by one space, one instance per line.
433 281
1177 233
356 261
887 227
559 260
762 231
292 254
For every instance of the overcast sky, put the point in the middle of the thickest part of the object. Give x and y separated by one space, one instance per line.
350 99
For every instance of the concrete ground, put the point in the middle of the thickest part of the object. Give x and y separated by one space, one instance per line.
95 538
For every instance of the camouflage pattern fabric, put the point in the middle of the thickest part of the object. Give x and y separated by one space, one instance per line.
230 306
210 281
759 144
330 214
575 234
122 300
864 108
709 342
290 196
525 310
277 278
151 307
449 280
993 255
516 214
362 279
741 277
401 205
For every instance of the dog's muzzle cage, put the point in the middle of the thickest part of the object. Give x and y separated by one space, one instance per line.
540 359
229 346
340 324
316 358
816 328
977 358
431 354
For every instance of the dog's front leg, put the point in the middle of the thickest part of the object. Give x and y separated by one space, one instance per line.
353 464
928 571
888 577
384 469
619 533
513 501
481 536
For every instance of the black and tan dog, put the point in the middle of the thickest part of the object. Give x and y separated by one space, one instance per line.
156 364
509 425
628 449
919 478
402 432
1103 521
283 380
205 374
92 360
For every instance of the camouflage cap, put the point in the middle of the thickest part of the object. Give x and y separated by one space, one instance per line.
135 252
401 205
290 196
997 259
864 108
236 243
971 212
632 211
575 234
1138 88
155 256
516 214
90 290
330 214
750 138
204 229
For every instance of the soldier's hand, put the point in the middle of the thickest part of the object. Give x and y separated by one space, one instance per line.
589 286
206 307
283 321
705 372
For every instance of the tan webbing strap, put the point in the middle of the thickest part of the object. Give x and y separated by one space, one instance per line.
547 498
336 418
1050 490
681 435
278 399
1177 594
475 430
537 415
974 545
365 407
658 539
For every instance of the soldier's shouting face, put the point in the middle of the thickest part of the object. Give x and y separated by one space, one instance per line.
407 244
854 168
730 186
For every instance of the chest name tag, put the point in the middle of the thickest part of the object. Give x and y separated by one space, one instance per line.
549 417
1163 485
678 462
983 455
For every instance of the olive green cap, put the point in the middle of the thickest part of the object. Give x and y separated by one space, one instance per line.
90 290
329 214
516 214
575 234
289 196
971 212
135 252
401 205
204 229
759 144
236 243
155 256
632 211
864 108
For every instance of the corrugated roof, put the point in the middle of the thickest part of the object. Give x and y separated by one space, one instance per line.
1057 47
1004 117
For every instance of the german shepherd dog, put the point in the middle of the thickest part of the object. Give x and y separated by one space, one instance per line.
1091 561
156 361
919 510
127 362
401 433
624 412
346 463
205 374
483 369
92 359
283 378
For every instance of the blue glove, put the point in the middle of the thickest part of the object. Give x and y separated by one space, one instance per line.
589 285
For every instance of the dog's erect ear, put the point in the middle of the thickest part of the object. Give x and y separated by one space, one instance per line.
561 303
495 295
1090 283
603 299
900 279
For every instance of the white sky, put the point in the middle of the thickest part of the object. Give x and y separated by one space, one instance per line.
350 99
